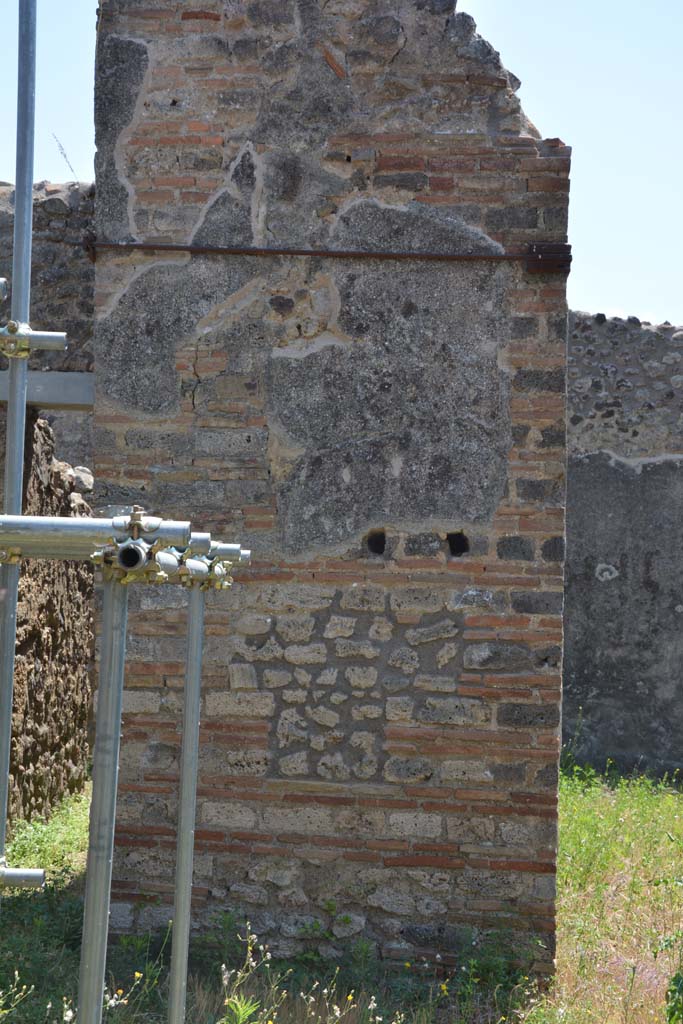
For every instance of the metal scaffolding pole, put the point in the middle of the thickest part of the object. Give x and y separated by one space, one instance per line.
129 548
189 762
18 378
103 807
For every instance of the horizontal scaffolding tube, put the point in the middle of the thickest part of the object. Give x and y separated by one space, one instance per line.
197 568
35 533
47 341
167 561
200 543
21 878
22 339
230 552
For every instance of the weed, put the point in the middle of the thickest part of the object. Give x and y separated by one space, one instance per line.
12 997
620 938
674 1000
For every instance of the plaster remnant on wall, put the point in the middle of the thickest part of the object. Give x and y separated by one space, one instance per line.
415 410
295 187
121 67
368 224
156 313
621 694
625 436
231 216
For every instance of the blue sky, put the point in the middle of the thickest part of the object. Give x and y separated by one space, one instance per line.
604 75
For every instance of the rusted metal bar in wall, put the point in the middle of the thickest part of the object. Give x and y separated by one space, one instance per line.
538 257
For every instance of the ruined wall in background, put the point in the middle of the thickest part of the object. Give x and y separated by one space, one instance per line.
624 596
52 692
380 722
54 623
62 286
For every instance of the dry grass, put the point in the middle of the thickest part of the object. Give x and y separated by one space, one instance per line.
620 902
620 934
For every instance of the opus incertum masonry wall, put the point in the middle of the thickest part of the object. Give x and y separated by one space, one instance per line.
381 713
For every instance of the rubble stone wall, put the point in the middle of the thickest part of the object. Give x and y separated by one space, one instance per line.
624 596
52 694
52 690
381 707
62 287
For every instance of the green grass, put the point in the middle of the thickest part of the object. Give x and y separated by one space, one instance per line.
620 938
59 844
620 901
41 931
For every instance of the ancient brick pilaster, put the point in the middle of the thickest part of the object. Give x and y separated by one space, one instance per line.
382 691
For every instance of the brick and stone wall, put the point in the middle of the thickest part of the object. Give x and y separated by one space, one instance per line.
624 610
52 691
381 707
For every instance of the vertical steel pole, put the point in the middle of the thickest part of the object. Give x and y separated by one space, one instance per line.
18 378
187 808
103 807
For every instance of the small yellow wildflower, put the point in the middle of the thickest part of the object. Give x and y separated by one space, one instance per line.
407 963
444 988
349 998
138 975
119 991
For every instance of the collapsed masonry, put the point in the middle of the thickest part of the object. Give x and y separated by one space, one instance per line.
382 691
